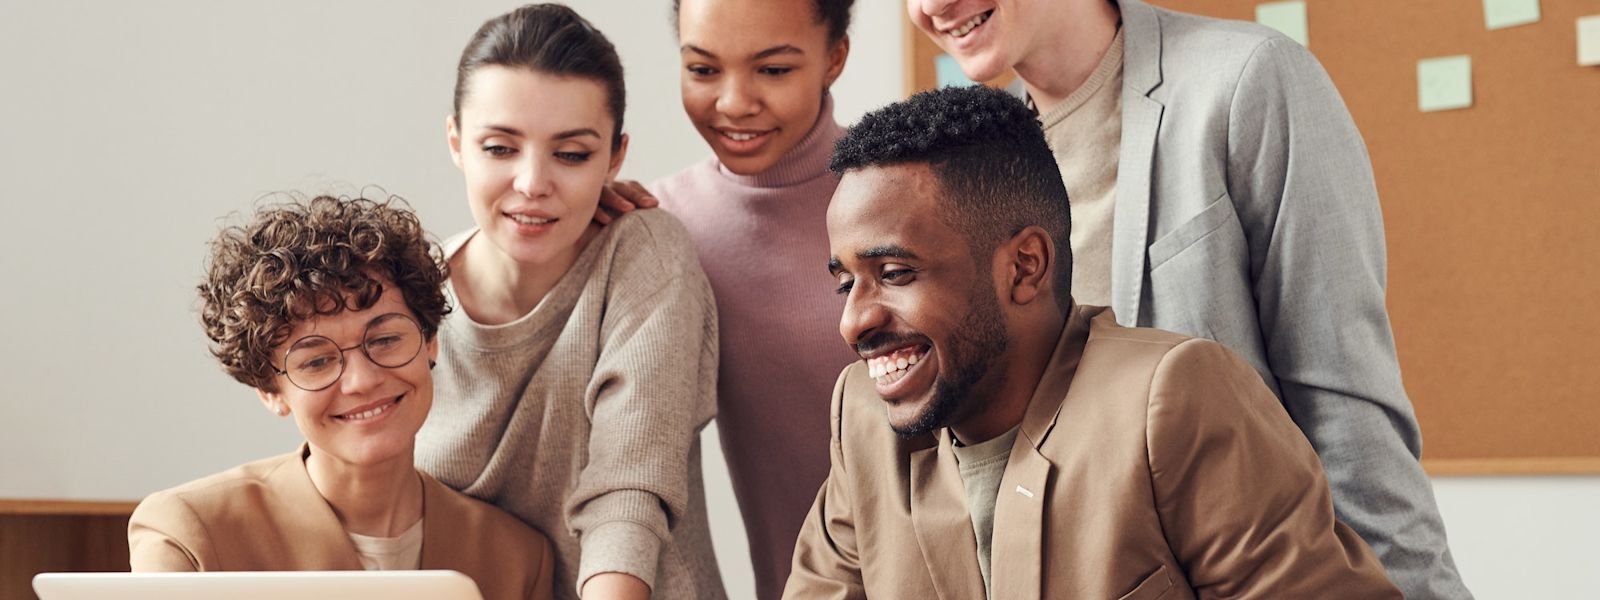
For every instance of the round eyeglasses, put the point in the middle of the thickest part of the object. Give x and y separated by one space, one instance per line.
313 363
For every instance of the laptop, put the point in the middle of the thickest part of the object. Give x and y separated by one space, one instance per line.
258 585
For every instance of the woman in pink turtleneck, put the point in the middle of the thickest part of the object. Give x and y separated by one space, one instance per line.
755 84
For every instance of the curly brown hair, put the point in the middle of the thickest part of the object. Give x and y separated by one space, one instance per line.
296 259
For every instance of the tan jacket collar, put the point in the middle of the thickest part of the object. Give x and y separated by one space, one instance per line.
938 495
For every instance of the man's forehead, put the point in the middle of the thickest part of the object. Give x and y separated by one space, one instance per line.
876 209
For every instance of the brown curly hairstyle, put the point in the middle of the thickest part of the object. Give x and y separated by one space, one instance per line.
297 259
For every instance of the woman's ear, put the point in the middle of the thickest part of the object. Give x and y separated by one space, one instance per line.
453 134
617 155
836 59
274 402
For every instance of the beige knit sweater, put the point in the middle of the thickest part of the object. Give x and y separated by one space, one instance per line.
583 417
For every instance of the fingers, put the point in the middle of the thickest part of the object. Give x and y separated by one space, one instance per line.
635 193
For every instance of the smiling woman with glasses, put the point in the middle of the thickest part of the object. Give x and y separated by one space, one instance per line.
329 309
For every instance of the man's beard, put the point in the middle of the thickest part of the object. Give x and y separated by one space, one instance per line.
969 355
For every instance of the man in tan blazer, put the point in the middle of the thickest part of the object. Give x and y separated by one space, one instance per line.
1034 448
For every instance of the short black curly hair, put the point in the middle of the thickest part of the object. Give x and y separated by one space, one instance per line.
990 157
295 260
833 13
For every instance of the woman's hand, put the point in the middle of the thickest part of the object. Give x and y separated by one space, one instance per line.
615 586
620 197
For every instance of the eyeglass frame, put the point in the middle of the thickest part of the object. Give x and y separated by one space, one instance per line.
421 341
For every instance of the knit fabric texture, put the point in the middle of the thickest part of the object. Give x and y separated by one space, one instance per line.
763 241
582 418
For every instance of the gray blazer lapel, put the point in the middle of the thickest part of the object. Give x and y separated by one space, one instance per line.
944 528
1141 120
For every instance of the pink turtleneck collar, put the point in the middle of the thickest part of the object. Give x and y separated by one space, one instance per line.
805 161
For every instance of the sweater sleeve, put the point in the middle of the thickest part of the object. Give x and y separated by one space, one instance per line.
652 392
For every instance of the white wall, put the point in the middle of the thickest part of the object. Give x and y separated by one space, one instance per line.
127 130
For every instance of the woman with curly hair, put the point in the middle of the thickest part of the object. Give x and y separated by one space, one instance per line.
581 367
329 309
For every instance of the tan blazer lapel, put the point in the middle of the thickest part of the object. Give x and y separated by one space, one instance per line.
1017 548
943 525
319 539
442 529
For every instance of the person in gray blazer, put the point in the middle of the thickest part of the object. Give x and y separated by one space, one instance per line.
1220 189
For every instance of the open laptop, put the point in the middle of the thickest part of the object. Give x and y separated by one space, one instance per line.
258 585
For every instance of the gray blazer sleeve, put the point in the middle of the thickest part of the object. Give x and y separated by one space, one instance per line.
1302 185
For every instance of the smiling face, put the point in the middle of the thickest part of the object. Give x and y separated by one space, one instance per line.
371 414
986 37
535 149
920 309
754 74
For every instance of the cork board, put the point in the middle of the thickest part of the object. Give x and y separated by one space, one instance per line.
1492 215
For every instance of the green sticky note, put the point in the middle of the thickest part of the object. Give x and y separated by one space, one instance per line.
1499 14
1589 41
1444 83
1287 17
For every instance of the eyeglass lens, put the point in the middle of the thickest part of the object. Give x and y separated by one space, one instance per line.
315 362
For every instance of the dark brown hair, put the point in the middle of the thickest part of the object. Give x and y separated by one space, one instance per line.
548 38
296 260
833 13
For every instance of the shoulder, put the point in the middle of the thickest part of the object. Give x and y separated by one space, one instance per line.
215 504
1163 359
649 248
221 490
678 191
1197 50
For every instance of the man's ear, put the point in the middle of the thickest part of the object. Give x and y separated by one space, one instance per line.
453 134
1031 254
273 401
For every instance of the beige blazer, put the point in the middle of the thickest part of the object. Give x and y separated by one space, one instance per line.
1149 465
267 516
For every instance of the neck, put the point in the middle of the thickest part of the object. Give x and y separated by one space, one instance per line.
1058 64
1020 369
380 500
495 289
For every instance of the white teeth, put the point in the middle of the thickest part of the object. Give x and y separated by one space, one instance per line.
368 414
887 369
966 28
739 137
527 220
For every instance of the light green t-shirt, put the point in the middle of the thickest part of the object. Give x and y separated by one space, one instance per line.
982 466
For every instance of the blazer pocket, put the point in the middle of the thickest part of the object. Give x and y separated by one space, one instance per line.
1153 587
1214 216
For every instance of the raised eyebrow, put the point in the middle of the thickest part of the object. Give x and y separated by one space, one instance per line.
696 50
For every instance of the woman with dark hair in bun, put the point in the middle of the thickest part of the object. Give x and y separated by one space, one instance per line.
329 309
581 366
